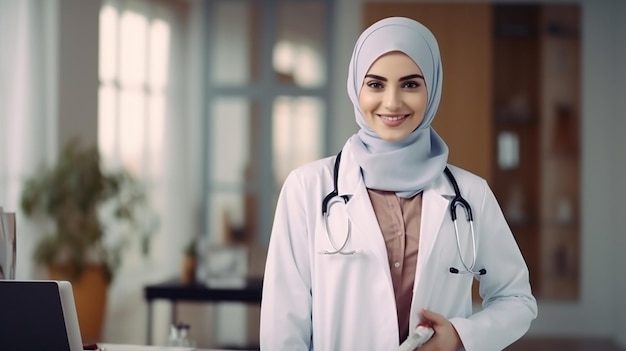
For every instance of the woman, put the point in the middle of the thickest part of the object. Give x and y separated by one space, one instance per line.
385 258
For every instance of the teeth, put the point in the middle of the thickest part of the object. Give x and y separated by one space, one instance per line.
393 118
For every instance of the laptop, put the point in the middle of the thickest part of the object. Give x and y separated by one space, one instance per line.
38 315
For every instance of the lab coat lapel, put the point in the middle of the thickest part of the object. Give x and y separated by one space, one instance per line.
359 208
435 206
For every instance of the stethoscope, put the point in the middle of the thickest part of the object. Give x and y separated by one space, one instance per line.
456 201
325 213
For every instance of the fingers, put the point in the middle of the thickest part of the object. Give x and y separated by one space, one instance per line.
445 337
432 317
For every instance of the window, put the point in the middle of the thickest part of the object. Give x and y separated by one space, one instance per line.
147 124
267 97
134 82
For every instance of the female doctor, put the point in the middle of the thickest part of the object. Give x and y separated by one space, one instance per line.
363 246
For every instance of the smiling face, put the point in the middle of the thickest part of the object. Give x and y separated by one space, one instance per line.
393 97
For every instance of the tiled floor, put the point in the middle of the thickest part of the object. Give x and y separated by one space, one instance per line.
549 344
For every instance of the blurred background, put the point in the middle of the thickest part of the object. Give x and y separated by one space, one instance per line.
210 104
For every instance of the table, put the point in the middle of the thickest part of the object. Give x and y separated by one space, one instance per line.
175 291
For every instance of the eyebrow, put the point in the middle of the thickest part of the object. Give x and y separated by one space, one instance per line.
410 76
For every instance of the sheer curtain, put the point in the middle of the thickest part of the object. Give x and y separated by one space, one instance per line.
157 139
27 107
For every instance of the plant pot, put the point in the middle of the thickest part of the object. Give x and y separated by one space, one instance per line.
90 295
188 270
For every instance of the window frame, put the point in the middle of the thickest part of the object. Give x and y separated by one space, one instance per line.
262 93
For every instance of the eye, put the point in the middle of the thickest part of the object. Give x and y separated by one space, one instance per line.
411 84
374 84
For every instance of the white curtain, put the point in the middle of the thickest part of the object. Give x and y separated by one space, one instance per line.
27 105
178 195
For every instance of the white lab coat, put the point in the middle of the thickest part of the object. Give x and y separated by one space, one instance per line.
334 302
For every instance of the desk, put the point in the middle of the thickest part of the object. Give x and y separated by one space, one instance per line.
174 291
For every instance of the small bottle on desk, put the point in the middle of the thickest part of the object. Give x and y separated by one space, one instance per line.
179 336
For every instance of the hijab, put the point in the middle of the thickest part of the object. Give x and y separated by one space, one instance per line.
406 166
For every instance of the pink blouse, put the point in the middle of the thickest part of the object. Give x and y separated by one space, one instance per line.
399 220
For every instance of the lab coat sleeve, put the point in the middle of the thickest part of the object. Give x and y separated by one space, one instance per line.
285 322
508 304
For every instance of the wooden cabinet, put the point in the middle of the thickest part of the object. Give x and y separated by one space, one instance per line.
536 114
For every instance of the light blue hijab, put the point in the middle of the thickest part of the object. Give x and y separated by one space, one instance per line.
409 165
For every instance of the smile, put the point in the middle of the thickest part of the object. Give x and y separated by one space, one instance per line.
393 118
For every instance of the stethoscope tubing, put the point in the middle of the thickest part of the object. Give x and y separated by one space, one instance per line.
458 200
325 213
339 250
469 269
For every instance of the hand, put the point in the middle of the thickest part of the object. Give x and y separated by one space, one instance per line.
446 338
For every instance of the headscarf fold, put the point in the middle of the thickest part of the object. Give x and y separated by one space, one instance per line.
406 166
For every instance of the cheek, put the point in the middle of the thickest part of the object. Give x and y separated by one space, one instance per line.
420 103
367 103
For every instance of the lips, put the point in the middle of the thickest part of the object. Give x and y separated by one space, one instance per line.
393 118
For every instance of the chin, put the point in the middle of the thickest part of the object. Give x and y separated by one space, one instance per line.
393 137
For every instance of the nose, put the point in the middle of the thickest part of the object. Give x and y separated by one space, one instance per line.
392 100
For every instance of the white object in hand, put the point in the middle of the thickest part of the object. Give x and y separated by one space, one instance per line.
422 333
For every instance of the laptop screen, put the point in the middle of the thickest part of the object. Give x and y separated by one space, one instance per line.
32 316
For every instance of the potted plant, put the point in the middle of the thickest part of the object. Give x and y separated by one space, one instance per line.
190 262
81 209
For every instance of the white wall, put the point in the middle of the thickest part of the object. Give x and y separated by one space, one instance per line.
619 165
601 310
